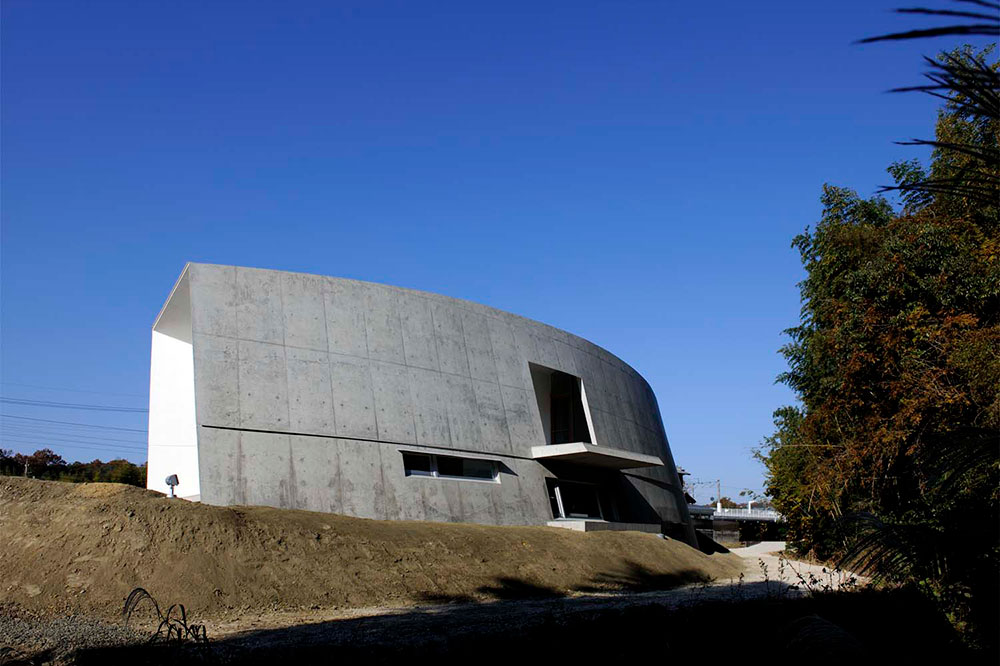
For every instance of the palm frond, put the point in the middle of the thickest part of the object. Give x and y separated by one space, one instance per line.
990 27
972 87
945 12
890 552
990 155
954 457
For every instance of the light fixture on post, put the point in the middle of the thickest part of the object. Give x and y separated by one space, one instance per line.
172 481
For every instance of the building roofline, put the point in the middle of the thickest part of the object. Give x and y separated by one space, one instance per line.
424 294
173 290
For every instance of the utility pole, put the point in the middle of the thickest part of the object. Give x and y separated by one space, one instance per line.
718 494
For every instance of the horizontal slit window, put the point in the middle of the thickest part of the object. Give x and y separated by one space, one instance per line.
450 467
417 464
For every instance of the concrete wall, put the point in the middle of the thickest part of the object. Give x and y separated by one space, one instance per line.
308 387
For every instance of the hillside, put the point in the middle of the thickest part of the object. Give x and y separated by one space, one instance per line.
80 548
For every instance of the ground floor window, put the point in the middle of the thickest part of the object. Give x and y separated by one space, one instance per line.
573 499
450 467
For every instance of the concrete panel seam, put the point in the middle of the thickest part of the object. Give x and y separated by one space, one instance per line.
284 354
333 405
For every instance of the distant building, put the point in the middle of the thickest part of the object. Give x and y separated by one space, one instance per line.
699 515
309 392
733 524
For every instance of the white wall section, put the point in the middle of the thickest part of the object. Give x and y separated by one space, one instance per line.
173 443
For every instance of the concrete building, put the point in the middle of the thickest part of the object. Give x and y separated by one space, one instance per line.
309 392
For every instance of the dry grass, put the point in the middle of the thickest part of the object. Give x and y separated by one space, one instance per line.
83 547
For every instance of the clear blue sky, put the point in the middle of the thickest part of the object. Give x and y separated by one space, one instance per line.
630 171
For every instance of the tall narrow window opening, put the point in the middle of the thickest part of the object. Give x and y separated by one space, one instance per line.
561 406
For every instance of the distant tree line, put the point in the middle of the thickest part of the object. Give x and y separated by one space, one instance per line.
48 465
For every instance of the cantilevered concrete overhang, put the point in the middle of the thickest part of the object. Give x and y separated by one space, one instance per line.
591 454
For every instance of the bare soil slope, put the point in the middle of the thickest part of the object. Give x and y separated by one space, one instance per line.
81 548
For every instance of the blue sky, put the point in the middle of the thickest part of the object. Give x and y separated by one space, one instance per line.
632 172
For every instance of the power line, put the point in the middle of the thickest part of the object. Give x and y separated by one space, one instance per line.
56 426
85 425
74 445
70 437
31 429
46 439
72 405
63 428
57 388
44 435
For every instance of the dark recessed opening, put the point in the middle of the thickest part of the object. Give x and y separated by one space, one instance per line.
560 405
581 501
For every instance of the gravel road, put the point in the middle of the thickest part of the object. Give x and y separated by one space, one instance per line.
764 562
27 638
55 640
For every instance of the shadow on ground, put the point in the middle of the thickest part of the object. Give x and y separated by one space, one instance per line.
638 578
708 545
864 626
504 589
635 578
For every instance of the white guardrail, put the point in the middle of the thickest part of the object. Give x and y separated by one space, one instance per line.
749 514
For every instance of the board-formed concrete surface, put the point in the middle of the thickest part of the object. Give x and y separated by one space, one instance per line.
307 390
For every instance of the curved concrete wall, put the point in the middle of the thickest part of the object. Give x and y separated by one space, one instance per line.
307 389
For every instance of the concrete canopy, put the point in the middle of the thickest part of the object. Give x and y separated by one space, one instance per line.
591 454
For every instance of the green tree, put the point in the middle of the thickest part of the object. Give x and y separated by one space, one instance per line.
726 503
46 464
896 363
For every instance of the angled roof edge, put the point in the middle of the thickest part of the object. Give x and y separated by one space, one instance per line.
173 289
425 294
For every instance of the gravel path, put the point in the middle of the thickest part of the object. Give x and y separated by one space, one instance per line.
779 577
26 638
763 563
55 640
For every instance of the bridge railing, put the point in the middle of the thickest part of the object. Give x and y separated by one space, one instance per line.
749 514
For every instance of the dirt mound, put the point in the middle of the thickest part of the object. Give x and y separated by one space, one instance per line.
81 548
